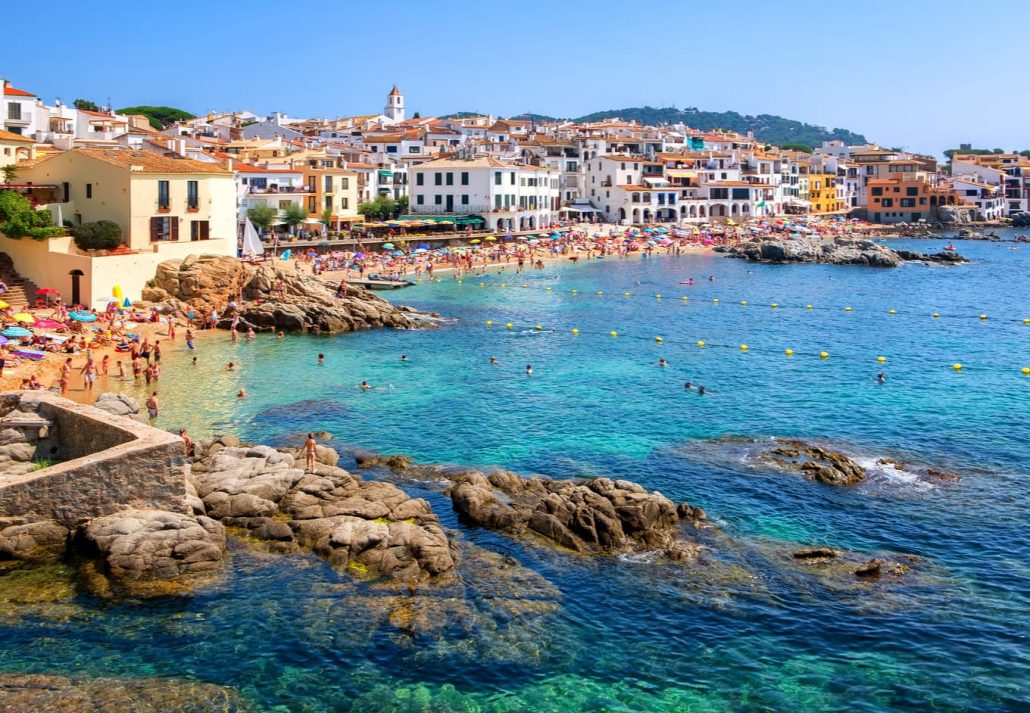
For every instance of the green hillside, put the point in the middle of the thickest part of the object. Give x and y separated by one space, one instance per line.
160 116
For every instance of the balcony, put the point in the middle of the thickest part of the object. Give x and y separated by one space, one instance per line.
281 189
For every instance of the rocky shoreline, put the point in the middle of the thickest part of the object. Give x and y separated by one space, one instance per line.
839 251
268 298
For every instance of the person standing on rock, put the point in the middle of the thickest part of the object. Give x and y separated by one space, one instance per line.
280 288
309 454
153 406
187 444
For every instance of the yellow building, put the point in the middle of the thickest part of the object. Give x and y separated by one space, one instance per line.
166 208
822 192
15 148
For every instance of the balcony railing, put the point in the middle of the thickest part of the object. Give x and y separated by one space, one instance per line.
282 189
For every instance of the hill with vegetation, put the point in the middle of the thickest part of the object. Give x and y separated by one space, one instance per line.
768 128
161 117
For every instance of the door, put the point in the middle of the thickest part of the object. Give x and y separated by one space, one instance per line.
450 204
76 287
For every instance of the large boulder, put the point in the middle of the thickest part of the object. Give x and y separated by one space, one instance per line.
816 463
370 528
148 552
305 303
33 542
599 515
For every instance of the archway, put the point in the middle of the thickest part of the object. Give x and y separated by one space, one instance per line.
76 276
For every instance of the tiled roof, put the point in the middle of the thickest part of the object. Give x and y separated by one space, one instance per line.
148 162
11 136
12 92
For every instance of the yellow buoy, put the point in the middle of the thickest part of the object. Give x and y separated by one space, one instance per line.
525 286
743 347
509 325
881 359
890 311
789 352
1026 371
600 292
1026 321
824 355
659 340
743 302
539 328
482 284
614 333
684 298
715 299
657 297
847 309
775 305
956 366
983 316
700 343
575 291
808 306
549 289
625 294
489 323
503 284
461 282
575 331
936 315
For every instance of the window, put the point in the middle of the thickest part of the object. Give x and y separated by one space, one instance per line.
312 204
391 149
438 199
164 228
464 198
888 203
89 190
345 183
497 178
464 178
200 230
344 203
420 199
740 194
328 184
438 179
877 191
163 200
450 178
192 195
328 202
497 199
513 178
420 179
908 203
65 192
719 194
14 111
413 149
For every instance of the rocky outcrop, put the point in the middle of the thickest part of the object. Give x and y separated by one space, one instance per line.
839 251
817 463
371 528
37 542
600 515
153 551
305 303
37 692
942 257
120 405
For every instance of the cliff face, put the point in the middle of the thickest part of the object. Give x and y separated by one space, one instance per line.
275 299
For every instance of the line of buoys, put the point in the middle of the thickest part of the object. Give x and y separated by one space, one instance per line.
744 303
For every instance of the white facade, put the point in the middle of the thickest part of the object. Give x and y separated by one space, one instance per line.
394 110
509 197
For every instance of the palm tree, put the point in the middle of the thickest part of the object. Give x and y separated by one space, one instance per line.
294 215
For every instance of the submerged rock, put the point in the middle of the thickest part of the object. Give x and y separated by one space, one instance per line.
305 304
370 528
45 693
817 463
151 552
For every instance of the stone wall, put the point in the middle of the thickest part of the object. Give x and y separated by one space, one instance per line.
113 463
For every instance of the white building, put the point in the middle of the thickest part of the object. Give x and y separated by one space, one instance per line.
22 112
394 110
508 197
989 199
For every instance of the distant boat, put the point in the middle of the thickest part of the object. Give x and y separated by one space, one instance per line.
949 248
377 282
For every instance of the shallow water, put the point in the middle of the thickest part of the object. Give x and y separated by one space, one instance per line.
629 635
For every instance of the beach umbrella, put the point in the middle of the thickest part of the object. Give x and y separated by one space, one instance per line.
423 246
16 332
48 324
4 305
24 317
84 316
420 250
47 291
398 253
661 230
534 241
507 237
388 246
475 241
126 303
491 238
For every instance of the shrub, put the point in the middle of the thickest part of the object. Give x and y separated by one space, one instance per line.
51 231
101 235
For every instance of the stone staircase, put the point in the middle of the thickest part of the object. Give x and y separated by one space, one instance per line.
21 291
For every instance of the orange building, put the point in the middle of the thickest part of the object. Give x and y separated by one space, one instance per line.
906 197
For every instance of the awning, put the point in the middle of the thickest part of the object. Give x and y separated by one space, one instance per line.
681 174
799 202
385 172
655 181
581 208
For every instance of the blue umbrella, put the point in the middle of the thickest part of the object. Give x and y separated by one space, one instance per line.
16 332
423 246
444 251
397 253
83 316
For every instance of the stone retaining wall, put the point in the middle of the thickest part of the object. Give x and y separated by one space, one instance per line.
115 463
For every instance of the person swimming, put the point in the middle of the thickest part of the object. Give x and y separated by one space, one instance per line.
881 378
365 386
404 357
241 394
662 362
529 370
700 391
688 386
321 359
230 367
493 360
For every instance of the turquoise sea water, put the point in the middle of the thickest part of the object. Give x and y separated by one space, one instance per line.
748 632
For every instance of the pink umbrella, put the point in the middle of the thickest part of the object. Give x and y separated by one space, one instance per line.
48 324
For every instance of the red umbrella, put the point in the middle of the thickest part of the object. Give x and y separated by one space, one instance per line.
48 291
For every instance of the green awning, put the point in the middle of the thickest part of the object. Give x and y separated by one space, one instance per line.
385 172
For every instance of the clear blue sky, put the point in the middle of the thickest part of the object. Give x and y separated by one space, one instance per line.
921 74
